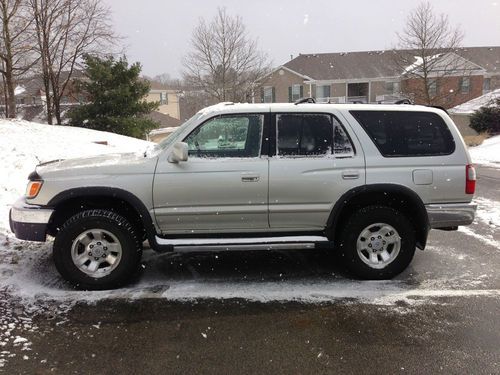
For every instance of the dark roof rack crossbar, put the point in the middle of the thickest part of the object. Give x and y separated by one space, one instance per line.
304 100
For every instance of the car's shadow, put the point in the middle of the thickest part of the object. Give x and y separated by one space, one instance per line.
245 265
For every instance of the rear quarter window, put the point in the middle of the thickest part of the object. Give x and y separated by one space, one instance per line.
407 133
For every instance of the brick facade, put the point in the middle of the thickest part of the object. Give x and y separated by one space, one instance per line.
448 92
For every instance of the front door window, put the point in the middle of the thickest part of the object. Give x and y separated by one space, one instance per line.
227 136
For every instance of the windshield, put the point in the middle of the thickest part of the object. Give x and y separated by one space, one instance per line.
165 143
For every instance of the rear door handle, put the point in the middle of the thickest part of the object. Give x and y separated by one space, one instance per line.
350 175
250 178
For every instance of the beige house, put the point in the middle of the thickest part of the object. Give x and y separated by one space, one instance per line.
370 77
168 99
361 77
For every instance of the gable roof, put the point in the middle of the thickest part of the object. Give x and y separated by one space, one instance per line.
164 121
345 65
487 58
377 64
444 63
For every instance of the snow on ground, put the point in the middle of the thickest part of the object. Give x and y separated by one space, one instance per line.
23 145
488 153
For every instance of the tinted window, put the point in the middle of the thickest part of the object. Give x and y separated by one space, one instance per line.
311 134
304 134
407 133
227 136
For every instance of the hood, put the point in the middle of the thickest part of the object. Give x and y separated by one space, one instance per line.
101 164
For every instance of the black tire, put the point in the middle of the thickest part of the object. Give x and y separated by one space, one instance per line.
354 227
108 221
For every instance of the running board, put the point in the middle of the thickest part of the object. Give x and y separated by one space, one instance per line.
244 244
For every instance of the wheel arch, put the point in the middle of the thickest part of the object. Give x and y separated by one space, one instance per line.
396 196
71 201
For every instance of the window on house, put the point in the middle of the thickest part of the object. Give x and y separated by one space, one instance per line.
269 94
487 85
323 91
227 136
297 92
465 85
392 87
163 98
433 87
407 133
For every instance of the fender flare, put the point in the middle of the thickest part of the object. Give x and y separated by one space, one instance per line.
112 192
420 217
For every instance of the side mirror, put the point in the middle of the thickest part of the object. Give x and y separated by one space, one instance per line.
179 153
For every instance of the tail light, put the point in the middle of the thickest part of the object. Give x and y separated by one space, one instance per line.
470 179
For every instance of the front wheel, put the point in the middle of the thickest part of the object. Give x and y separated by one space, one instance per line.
97 249
377 242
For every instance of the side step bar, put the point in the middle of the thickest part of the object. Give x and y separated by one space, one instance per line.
244 244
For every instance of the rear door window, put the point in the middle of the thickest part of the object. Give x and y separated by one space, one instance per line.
405 133
311 135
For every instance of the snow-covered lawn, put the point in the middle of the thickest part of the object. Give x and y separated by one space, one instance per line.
25 144
488 153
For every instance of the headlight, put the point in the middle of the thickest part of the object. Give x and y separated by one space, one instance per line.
33 188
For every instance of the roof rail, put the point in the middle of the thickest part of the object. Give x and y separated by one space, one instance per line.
438 107
403 101
305 100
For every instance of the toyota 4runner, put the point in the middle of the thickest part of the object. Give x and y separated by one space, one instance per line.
367 181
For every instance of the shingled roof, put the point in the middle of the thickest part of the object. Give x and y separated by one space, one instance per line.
377 64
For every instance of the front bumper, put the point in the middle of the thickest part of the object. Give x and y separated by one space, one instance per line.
450 215
28 221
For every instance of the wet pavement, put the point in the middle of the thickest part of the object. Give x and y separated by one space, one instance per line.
287 312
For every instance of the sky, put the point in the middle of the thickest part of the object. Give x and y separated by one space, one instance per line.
157 32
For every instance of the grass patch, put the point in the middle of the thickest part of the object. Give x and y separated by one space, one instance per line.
475 140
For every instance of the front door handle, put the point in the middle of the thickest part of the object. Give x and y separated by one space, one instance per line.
350 175
250 178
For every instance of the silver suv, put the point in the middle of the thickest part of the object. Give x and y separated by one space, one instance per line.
367 181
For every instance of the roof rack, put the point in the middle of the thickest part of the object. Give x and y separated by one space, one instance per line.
403 101
312 101
304 100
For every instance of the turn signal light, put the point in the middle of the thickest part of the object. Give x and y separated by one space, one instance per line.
33 189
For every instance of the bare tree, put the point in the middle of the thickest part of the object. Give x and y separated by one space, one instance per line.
16 52
224 62
427 52
65 31
167 80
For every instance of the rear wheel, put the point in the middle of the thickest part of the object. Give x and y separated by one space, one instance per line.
97 249
377 242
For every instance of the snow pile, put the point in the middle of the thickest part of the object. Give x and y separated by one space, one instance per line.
488 153
469 107
25 144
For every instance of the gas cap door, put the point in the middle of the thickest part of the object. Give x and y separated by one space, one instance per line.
422 177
